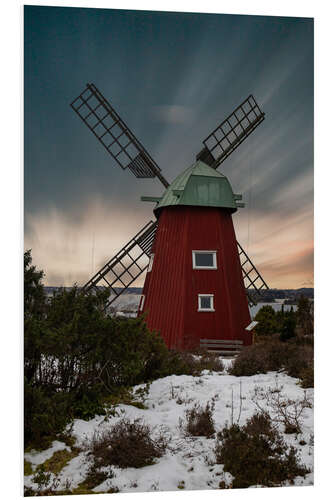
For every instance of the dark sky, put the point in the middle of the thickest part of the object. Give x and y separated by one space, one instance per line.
172 77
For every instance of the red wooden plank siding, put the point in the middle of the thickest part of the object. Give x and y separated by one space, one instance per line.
171 288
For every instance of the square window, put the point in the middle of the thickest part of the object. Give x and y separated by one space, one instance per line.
206 302
204 259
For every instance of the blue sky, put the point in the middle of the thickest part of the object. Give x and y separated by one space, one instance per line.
172 77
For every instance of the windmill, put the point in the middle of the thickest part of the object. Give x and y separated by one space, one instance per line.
199 279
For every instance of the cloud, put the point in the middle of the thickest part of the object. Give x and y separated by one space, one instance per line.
172 114
281 249
71 247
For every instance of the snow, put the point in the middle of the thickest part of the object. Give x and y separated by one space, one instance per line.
39 457
188 459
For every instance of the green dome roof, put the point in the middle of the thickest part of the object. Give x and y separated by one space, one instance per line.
200 185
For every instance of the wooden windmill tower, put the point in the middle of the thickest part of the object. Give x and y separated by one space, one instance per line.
198 277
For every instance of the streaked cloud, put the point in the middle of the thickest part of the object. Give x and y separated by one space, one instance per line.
172 114
71 247
172 77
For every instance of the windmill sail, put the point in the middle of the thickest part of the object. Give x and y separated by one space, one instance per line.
253 281
231 132
126 266
113 133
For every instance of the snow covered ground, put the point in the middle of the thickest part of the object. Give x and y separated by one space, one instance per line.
189 461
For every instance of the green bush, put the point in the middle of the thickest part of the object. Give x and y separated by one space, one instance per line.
267 321
75 355
256 454
45 415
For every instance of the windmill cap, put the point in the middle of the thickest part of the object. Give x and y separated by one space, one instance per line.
200 185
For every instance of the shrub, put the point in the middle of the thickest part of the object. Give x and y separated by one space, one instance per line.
249 361
281 409
199 420
126 444
256 454
299 360
267 321
188 363
307 377
45 415
273 355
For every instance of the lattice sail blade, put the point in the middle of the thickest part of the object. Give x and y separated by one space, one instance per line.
230 133
253 281
126 266
113 133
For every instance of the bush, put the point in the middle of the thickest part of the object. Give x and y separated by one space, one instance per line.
281 408
256 454
75 356
126 444
307 377
273 355
45 415
188 363
199 420
267 321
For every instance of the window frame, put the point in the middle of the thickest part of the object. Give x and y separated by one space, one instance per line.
141 302
211 296
211 268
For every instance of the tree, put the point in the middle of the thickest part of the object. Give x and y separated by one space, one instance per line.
34 294
267 321
304 317
288 326
34 316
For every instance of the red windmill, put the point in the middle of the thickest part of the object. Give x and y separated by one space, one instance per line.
199 279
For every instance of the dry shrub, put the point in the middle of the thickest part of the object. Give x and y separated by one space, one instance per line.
273 355
256 454
199 420
126 444
210 361
281 408
192 363
307 377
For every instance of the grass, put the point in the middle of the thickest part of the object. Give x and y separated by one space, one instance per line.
27 468
58 461
92 479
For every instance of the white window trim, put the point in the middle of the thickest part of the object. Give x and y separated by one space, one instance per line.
151 261
214 266
200 309
141 303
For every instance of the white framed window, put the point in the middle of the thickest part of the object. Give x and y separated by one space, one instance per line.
141 303
206 302
204 259
151 260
